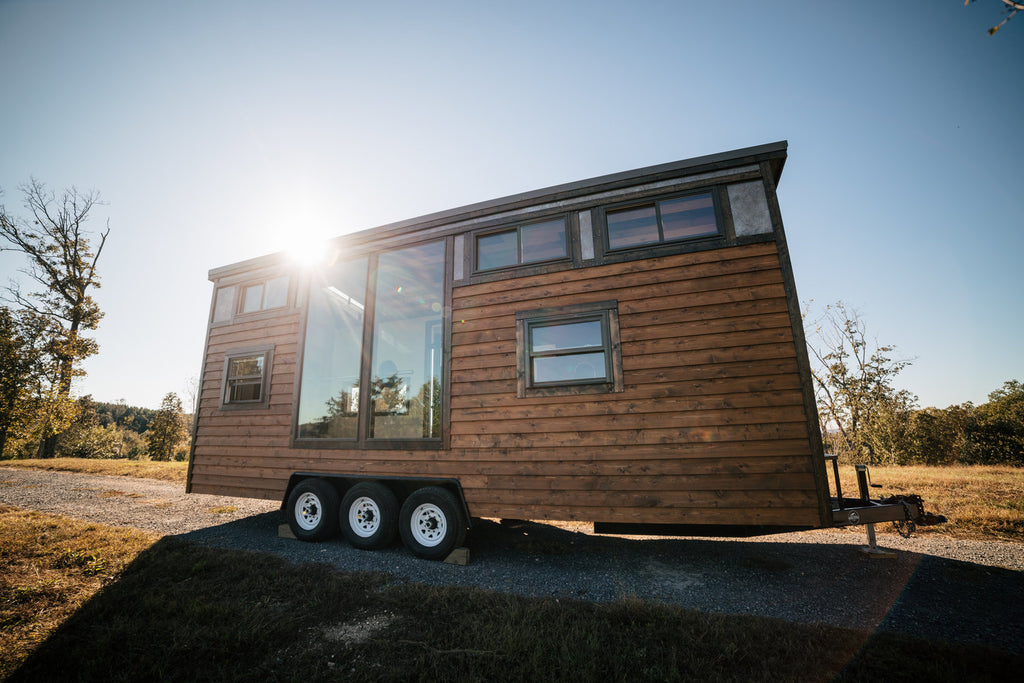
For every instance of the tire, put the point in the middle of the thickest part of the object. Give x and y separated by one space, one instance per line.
312 510
369 516
431 523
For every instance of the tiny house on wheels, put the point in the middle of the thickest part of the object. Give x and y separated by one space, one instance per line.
626 350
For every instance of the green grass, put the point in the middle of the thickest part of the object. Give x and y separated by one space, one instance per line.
172 611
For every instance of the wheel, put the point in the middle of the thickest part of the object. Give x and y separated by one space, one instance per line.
369 515
431 523
312 510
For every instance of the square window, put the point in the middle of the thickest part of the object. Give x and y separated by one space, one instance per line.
543 241
570 349
252 298
275 294
632 227
245 379
497 250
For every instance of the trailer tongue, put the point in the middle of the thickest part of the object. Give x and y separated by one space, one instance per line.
905 510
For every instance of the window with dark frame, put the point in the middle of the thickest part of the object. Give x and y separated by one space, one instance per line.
373 355
664 220
245 378
522 245
570 349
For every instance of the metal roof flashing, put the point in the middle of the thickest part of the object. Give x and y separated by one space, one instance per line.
774 153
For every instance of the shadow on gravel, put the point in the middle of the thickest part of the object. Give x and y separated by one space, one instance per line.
190 609
913 594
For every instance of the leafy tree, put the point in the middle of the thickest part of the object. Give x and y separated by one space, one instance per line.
995 430
168 432
62 263
23 372
937 435
862 415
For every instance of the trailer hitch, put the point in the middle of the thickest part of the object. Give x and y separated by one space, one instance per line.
913 513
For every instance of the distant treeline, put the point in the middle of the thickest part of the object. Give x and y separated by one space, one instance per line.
116 430
121 415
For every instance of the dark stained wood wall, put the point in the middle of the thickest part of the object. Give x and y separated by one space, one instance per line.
711 427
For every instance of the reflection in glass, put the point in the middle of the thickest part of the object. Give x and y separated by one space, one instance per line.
497 250
568 336
329 394
245 379
565 368
632 227
688 217
224 306
276 294
543 241
251 298
405 391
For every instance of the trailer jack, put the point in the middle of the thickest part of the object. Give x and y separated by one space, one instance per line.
904 511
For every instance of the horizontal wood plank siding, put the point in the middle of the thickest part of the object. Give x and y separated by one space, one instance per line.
711 427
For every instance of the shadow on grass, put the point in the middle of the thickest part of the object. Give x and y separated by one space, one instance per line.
183 611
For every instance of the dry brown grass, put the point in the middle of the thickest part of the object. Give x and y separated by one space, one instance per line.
144 469
49 566
980 502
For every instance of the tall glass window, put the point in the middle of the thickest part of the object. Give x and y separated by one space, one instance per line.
405 385
329 400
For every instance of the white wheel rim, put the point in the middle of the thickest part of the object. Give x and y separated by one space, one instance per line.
308 511
364 517
429 525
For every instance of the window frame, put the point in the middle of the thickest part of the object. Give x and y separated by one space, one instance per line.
243 287
607 312
517 228
656 202
363 441
267 353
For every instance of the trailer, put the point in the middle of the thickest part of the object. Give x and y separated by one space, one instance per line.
626 350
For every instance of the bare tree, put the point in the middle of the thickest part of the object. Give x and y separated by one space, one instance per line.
1010 8
62 266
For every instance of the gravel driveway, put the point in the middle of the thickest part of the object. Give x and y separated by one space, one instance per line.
970 591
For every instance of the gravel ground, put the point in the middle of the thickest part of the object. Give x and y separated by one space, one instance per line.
968 591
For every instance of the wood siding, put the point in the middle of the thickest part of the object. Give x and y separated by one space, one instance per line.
711 427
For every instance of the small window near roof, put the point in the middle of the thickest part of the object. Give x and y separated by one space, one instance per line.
245 379
266 295
667 220
224 305
530 243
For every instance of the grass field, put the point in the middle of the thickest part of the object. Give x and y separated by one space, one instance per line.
983 503
121 605
146 469
980 502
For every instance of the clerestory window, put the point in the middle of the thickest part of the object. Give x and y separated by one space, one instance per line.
665 220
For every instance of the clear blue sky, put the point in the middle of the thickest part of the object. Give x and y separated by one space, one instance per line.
220 131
